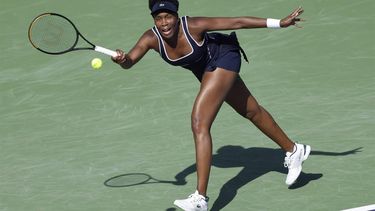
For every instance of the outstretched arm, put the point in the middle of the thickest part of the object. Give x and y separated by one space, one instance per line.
231 23
145 43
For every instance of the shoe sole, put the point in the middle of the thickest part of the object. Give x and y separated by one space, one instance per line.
183 206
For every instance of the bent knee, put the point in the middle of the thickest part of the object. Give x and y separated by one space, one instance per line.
251 113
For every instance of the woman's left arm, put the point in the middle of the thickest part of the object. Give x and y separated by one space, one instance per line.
232 23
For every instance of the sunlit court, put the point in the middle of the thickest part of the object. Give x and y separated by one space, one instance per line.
80 133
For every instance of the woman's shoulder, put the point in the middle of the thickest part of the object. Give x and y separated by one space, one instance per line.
149 35
149 39
195 22
196 26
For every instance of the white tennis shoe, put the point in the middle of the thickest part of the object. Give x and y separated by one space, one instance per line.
194 202
293 161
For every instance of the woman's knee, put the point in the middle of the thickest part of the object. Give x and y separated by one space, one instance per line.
252 112
199 126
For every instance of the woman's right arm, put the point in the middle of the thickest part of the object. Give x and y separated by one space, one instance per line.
146 42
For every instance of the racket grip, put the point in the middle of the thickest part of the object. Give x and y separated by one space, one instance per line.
105 51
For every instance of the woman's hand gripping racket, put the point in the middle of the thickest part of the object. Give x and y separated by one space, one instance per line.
55 34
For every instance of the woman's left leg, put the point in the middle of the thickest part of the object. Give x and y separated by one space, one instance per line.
240 98
244 103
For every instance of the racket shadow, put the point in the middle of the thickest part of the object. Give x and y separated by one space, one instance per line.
133 179
255 162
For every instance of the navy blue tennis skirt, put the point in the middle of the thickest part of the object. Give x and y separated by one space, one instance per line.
223 52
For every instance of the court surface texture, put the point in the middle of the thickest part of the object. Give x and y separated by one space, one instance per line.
67 130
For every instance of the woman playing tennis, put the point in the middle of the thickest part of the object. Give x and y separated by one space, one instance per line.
215 59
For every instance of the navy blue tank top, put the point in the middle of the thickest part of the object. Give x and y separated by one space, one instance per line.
193 60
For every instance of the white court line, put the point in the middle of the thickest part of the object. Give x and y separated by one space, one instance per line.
364 208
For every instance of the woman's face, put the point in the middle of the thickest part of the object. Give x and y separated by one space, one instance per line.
167 24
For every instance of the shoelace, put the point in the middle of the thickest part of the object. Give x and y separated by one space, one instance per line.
195 198
287 162
287 159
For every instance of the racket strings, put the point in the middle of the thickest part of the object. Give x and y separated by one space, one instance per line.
53 34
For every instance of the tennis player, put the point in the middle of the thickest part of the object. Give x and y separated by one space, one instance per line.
215 59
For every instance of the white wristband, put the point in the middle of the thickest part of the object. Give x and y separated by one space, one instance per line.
273 23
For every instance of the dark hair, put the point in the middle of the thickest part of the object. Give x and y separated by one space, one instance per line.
151 3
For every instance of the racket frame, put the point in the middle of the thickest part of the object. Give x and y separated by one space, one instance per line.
73 47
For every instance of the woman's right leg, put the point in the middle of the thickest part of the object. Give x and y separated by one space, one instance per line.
214 88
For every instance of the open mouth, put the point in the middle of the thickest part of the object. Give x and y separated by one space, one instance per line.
166 31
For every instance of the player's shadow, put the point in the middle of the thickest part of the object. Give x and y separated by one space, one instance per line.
255 162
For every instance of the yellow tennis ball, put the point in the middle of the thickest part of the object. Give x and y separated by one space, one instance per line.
96 63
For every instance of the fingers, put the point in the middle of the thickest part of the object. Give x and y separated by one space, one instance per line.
297 12
299 20
295 19
120 58
296 22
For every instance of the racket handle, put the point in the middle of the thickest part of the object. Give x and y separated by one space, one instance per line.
105 51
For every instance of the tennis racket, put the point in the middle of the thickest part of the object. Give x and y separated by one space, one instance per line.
55 34
132 179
